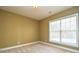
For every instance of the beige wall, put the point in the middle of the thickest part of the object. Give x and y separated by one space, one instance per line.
44 28
16 28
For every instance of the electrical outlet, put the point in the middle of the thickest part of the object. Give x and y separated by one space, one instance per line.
18 42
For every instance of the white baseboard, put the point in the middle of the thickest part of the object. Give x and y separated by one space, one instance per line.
3 49
69 49
73 50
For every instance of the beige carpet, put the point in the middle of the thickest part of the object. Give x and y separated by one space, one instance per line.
36 48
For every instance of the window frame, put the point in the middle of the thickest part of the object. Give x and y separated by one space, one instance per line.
77 27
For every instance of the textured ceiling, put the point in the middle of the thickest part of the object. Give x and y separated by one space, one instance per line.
35 13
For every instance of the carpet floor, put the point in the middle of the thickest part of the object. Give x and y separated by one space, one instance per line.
36 48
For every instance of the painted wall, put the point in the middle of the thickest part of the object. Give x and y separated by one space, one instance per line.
15 28
44 26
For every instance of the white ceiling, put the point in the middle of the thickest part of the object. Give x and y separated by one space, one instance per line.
35 13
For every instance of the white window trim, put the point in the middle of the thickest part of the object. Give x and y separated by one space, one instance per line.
75 14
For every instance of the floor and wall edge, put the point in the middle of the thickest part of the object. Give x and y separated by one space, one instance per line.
20 45
69 49
53 45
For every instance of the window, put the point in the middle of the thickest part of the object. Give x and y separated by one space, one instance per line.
55 31
64 30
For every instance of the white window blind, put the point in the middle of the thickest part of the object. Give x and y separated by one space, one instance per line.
64 30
